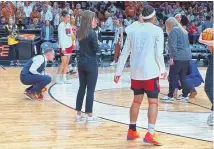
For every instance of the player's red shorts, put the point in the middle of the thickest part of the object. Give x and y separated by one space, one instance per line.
68 51
150 87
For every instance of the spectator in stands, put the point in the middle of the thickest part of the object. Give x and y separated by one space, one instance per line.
108 22
38 5
35 14
190 17
113 8
176 10
3 21
119 14
35 24
76 10
27 10
84 5
73 25
207 24
128 21
162 25
98 30
8 10
20 15
193 32
180 55
47 32
159 13
118 41
101 16
48 4
11 31
130 9
20 3
46 15
184 22
165 7
56 15
78 17
68 9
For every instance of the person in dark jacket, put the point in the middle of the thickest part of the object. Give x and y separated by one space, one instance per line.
87 65
33 74
207 24
193 79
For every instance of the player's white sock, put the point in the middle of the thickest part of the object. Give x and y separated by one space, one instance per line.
151 128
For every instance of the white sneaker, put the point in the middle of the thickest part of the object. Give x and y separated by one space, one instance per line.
93 119
113 63
183 99
210 120
167 99
58 80
80 117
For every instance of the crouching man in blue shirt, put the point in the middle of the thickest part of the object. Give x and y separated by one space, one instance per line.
33 74
193 79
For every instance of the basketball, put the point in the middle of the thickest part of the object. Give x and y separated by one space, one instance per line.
208 34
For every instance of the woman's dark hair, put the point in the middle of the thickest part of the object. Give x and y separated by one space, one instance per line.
85 25
147 10
64 13
184 20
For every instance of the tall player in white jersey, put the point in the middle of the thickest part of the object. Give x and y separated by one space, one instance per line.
144 44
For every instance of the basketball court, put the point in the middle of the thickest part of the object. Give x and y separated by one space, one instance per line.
50 124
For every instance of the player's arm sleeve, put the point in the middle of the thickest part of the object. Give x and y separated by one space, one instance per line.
60 36
124 55
172 42
37 62
159 51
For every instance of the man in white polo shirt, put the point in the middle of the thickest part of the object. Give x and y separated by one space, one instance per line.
145 44
33 73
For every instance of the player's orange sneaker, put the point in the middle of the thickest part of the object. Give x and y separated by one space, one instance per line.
44 89
153 139
132 135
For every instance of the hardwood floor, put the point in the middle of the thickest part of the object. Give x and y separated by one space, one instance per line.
124 97
47 124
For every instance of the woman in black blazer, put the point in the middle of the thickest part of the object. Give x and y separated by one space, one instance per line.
87 65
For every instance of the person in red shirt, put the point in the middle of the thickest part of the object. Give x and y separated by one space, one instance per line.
131 10
193 32
8 10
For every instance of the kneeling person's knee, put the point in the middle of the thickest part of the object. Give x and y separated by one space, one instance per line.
47 79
